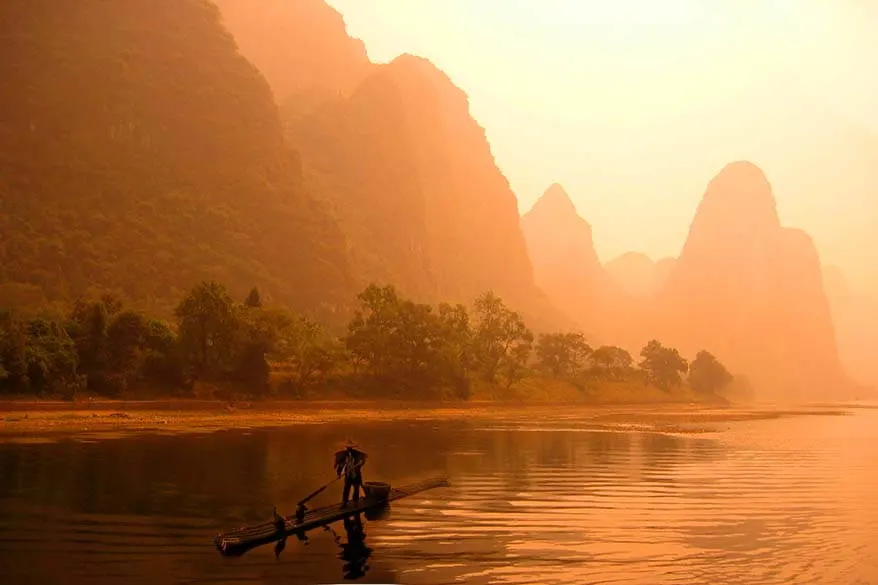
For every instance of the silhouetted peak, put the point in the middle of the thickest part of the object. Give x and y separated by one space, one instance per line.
741 178
324 10
300 46
738 257
741 169
800 239
632 259
553 230
408 67
416 63
738 206
413 75
433 107
555 204
742 187
634 272
305 20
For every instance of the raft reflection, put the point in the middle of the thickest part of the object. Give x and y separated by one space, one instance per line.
549 500
354 551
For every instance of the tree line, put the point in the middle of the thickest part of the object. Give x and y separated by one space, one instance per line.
393 346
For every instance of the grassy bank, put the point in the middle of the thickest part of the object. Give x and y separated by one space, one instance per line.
604 392
37 421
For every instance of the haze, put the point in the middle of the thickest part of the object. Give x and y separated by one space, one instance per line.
634 107
314 152
583 291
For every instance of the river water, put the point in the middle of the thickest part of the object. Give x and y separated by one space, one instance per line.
790 500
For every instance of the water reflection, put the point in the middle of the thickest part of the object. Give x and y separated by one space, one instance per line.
531 501
281 544
354 552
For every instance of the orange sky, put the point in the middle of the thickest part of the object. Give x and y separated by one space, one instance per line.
633 105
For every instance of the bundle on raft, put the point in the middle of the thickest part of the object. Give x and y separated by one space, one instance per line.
378 495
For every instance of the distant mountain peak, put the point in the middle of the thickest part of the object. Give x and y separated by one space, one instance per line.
738 206
742 185
743 168
633 258
407 64
412 60
752 290
554 203
635 272
301 47
741 177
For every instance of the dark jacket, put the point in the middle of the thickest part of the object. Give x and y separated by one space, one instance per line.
346 459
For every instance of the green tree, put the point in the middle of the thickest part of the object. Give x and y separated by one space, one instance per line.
514 367
209 330
707 375
562 354
416 344
160 337
260 333
50 356
112 304
663 366
457 359
611 361
162 361
13 353
111 343
121 367
501 342
89 328
313 355
302 346
126 337
406 344
371 330
251 369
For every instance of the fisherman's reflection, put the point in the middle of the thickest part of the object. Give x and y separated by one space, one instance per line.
354 552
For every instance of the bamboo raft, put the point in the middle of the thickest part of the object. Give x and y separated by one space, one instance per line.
237 542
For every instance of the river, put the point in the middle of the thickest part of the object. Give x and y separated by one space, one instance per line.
788 500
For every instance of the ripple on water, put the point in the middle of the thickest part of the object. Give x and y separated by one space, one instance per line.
768 502
767 516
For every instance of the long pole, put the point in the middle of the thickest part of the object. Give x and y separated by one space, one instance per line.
320 489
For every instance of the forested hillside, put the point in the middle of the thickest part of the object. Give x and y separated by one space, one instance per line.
141 153
395 152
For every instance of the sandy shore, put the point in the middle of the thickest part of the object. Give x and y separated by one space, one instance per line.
47 421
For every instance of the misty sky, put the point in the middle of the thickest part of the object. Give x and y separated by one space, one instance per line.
634 105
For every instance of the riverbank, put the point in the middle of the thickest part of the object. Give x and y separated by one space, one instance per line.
37 421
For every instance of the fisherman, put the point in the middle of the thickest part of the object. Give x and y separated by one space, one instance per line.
349 461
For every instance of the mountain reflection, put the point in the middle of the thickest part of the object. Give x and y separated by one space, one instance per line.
761 502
